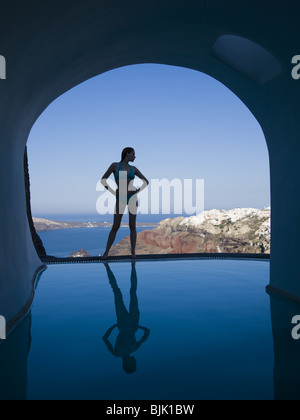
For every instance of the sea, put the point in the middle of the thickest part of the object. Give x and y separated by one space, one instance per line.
63 242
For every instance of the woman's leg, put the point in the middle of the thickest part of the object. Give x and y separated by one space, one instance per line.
116 226
132 226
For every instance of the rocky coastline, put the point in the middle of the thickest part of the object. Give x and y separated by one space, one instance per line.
241 230
215 231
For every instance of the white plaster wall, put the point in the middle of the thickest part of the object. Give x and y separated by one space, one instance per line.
285 200
51 46
18 259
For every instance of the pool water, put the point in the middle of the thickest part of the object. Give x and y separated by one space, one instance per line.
206 333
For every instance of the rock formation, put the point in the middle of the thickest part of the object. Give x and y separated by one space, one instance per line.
82 253
215 231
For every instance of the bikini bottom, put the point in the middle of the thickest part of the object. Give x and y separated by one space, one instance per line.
124 200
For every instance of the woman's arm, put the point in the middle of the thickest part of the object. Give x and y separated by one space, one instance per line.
145 336
106 339
106 176
108 332
143 178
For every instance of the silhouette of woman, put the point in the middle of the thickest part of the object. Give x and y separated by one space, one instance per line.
126 194
127 323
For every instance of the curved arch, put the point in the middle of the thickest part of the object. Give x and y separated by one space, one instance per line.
113 86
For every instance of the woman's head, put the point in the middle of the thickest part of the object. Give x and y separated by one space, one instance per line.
126 151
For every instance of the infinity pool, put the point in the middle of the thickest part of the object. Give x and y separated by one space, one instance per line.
177 330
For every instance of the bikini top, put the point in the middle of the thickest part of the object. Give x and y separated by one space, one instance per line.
130 175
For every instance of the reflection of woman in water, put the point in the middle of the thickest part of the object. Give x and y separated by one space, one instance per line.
126 194
127 323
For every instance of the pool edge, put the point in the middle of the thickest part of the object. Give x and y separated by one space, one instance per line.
157 257
23 312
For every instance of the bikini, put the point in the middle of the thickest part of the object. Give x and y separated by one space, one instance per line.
130 177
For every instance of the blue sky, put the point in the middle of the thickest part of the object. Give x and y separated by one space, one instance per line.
182 123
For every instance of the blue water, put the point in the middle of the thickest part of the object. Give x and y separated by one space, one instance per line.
209 326
63 242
